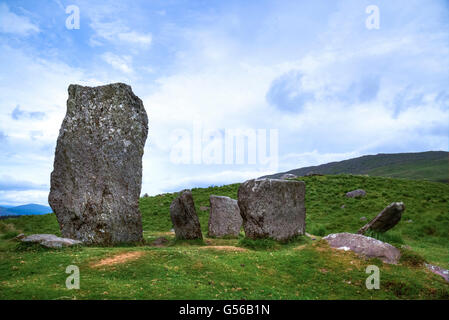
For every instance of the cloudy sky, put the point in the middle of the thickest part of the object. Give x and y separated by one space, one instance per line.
311 80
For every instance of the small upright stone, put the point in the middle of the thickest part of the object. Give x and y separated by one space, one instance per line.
386 219
224 219
97 176
272 208
184 218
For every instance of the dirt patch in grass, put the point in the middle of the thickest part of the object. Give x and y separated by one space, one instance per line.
225 248
118 259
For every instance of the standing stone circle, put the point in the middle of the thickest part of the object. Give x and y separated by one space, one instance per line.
272 208
386 219
184 218
97 176
224 218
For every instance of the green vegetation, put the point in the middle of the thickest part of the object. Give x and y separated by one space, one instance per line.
431 165
243 268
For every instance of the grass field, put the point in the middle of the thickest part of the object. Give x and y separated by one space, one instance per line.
240 268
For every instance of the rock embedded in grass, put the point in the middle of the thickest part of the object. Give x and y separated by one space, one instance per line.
184 217
439 271
386 219
50 240
364 246
356 193
272 208
97 176
224 219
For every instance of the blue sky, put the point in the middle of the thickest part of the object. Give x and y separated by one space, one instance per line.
312 71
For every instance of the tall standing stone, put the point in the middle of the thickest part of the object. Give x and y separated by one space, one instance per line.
224 219
272 208
97 176
184 218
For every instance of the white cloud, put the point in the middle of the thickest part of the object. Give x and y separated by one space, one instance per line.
15 24
117 33
121 63
135 38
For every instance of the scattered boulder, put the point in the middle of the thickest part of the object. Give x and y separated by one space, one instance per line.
342 206
20 236
356 193
386 219
363 218
272 208
224 218
97 176
364 246
204 208
50 240
286 176
160 242
439 271
184 218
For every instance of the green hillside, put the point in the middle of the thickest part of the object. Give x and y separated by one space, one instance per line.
431 165
240 268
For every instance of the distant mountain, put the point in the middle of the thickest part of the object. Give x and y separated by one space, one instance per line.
28 209
431 165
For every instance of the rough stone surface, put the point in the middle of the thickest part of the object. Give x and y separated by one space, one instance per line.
386 219
288 176
97 177
439 271
224 219
50 240
356 193
272 208
365 246
184 218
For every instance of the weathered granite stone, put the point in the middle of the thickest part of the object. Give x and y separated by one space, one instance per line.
386 219
224 218
272 208
184 218
356 193
97 176
365 246
50 240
